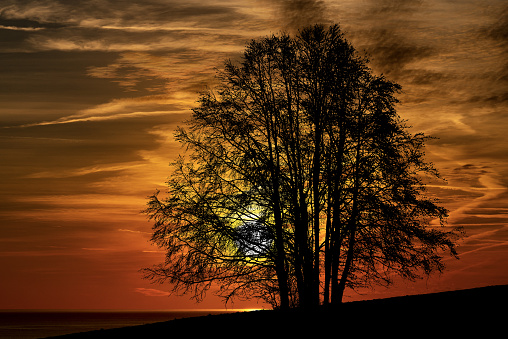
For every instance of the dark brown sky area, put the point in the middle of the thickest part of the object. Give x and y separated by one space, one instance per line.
90 92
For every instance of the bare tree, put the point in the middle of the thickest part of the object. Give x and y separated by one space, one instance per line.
299 180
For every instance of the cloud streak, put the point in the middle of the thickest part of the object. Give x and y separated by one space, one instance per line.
89 118
151 292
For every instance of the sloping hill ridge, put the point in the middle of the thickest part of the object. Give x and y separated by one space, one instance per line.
479 312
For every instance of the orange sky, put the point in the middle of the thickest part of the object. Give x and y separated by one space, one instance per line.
91 91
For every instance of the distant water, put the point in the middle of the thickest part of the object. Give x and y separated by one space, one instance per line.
42 324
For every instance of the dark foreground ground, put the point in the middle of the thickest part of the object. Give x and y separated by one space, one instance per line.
475 313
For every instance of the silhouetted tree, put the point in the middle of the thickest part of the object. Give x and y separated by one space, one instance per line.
300 180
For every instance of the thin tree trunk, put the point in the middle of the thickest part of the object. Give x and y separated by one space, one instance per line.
317 207
335 231
282 275
280 260
328 230
352 227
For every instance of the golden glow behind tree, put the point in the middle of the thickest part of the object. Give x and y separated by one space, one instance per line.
303 131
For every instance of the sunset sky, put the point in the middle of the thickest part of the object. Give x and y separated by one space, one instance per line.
91 90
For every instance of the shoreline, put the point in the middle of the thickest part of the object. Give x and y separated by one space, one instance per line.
479 310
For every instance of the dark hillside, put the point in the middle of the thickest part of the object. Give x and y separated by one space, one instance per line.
479 312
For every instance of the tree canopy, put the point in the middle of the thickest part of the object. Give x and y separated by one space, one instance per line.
299 180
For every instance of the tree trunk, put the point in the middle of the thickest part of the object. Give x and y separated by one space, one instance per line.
338 293
336 236
282 276
274 163
316 208
328 230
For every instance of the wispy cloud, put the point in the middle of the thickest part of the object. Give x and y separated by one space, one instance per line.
488 187
295 14
174 72
139 41
391 36
133 231
498 29
394 6
125 108
124 26
69 173
86 13
78 118
17 28
151 292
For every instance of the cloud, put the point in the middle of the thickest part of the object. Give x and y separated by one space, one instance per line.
69 173
471 175
295 14
498 30
119 109
389 32
37 12
178 71
102 12
136 232
79 118
82 155
150 292
391 52
15 28
394 6
98 39
128 25
26 24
